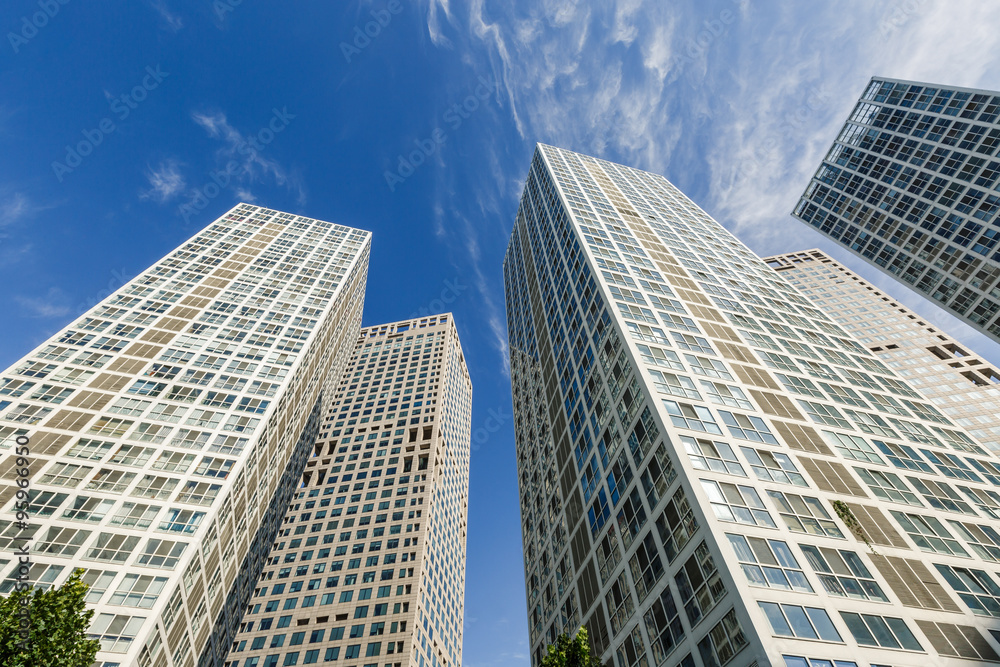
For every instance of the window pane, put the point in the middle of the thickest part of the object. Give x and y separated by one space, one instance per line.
861 633
776 578
776 618
881 631
754 575
824 626
784 554
799 622
798 581
903 634
741 548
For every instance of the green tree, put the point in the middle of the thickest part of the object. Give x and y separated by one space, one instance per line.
573 652
57 623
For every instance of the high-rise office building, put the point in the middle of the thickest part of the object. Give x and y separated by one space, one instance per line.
368 566
910 186
168 427
962 384
702 481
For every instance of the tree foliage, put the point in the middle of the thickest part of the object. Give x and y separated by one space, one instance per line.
573 652
56 627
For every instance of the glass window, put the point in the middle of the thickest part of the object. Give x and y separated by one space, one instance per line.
712 455
804 514
871 423
788 620
663 625
135 515
940 495
903 456
737 503
986 500
928 533
797 385
778 361
707 367
138 591
773 466
853 447
769 563
699 584
844 395
799 661
950 465
646 566
660 357
843 573
647 333
915 432
694 417
887 404
888 486
619 600
181 521
88 509
90 449
724 394
131 455
692 343
116 632
676 524
884 631
824 414
724 641
983 539
756 339
976 588
674 385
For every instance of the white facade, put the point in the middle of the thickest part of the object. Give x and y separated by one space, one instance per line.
959 381
701 481
368 566
169 424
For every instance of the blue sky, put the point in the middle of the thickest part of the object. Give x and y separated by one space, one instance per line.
735 101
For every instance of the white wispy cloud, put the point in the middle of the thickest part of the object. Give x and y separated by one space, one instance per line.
172 20
216 125
14 208
438 10
773 129
55 303
737 101
565 79
471 251
586 76
165 180
245 195
237 147
250 165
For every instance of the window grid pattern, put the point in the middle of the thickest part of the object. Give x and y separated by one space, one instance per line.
125 377
585 225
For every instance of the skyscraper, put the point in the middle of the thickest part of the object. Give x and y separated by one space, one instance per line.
962 384
910 186
701 483
369 563
169 424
